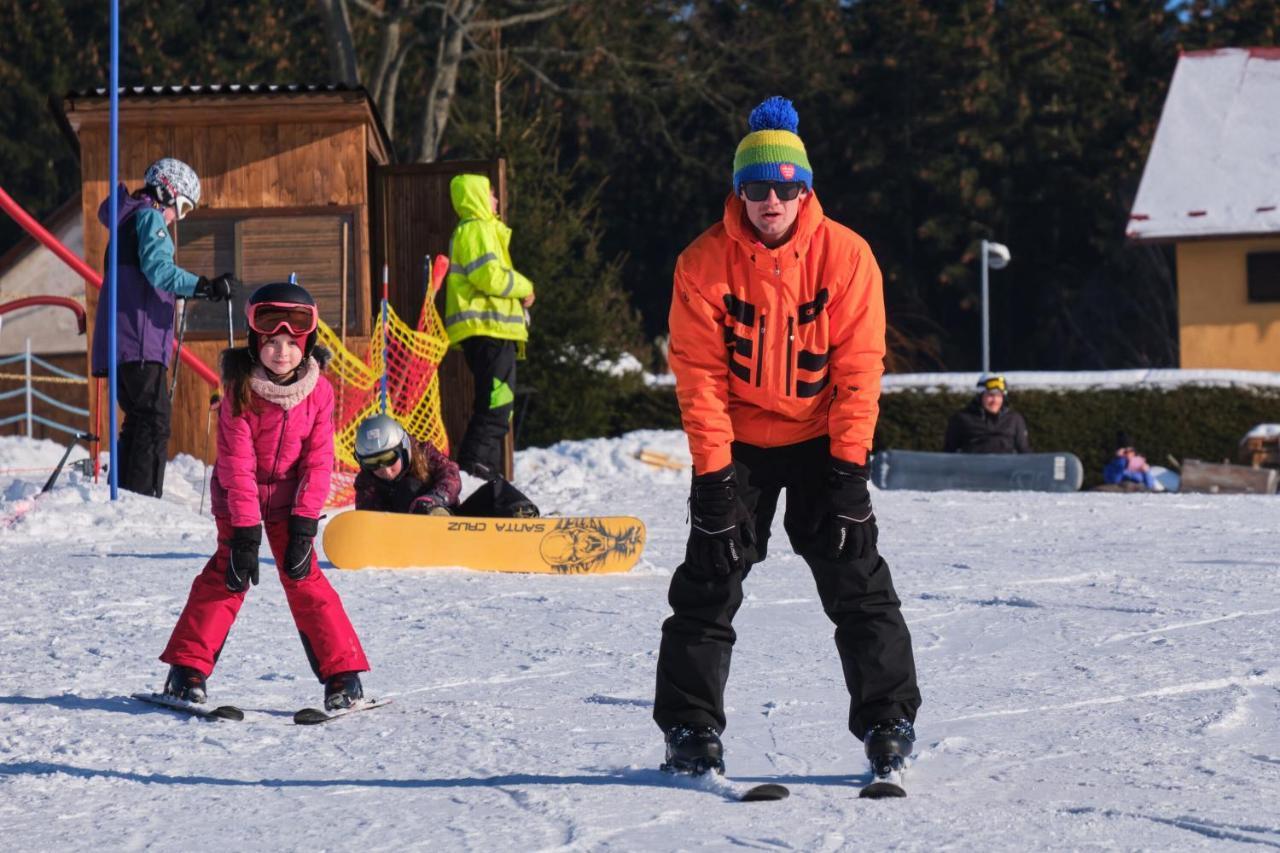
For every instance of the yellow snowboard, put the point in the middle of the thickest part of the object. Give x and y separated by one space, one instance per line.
563 546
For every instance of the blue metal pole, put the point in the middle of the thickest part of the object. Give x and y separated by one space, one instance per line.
113 259
386 347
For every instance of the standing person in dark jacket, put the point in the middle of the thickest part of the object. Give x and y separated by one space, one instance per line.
148 282
988 424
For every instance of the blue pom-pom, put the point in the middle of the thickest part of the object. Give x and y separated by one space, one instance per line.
775 113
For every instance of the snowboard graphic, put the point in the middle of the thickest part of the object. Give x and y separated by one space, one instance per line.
565 546
984 472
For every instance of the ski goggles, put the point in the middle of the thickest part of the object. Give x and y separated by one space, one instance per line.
269 318
183 206
993 383
384 459
759 190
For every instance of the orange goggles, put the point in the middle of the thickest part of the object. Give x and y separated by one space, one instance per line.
269 318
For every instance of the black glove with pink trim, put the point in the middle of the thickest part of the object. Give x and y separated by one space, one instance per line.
299 555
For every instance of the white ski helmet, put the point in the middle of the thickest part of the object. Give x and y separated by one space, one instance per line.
377 438
174 183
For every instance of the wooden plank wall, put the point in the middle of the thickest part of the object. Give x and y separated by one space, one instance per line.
250 165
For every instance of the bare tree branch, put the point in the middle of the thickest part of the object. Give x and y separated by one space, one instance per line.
342 49
516 20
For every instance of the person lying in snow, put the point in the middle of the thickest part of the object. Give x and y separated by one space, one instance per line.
398 474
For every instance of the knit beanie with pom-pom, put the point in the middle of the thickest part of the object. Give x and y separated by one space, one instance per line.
773 150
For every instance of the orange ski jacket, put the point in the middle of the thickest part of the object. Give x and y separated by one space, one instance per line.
777 346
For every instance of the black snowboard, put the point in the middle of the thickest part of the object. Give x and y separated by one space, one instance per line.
982 472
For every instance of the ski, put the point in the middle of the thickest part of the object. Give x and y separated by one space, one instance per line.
714 783
888 782
314 716
181 706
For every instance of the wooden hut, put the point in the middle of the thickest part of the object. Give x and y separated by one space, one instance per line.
294 179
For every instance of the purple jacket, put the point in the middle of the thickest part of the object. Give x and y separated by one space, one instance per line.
149 282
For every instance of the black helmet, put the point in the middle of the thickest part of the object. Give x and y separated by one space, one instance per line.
296 312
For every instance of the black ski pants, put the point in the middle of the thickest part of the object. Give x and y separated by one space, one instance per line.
143 443
493 365
858 596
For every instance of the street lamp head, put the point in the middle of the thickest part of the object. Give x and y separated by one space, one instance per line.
998 256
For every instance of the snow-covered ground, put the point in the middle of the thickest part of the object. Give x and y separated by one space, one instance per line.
1099 671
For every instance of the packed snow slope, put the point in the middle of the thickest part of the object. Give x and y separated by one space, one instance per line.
1099 671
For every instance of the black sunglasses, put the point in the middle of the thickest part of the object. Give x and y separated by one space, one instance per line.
759 190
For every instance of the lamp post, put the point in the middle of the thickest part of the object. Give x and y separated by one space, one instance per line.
994 256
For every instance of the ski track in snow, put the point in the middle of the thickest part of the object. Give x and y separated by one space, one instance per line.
1098 671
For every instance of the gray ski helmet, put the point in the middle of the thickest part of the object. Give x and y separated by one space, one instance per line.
172 179
378 435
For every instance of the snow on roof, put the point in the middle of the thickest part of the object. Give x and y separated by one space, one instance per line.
1061 380
1214 167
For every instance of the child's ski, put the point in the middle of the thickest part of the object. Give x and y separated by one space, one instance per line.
714 783
181 706
314 716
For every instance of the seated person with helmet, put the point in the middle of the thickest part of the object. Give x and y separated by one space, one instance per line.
398 474
987 424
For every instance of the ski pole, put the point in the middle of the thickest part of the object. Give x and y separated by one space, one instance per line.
214 400
80 436
177 362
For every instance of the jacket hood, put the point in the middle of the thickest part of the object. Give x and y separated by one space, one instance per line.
470 196
739 228
127 206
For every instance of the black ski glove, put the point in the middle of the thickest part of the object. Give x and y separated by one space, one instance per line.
846 524
432 503
218 289
242 569
721 529
297 557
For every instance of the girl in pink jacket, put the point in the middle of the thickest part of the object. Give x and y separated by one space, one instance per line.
275 458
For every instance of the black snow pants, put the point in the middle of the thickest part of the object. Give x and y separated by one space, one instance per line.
143 443
493 365
858 596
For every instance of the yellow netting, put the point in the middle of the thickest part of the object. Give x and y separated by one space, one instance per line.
411 363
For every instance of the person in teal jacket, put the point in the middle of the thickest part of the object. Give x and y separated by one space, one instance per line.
485 314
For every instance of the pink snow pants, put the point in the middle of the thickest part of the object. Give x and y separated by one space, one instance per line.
328 638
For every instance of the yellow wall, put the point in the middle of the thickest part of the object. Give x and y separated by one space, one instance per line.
1218 326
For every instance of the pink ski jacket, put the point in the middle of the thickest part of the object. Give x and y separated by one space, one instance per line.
276 458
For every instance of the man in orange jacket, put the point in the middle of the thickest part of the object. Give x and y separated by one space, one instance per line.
777 345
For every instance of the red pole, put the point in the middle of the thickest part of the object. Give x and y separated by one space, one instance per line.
35 229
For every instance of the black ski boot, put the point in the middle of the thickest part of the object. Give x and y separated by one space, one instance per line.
694 750
186 684
888 743
342 690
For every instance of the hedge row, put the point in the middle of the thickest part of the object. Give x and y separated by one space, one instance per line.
1186 422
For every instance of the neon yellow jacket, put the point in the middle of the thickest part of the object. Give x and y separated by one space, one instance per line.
482 291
